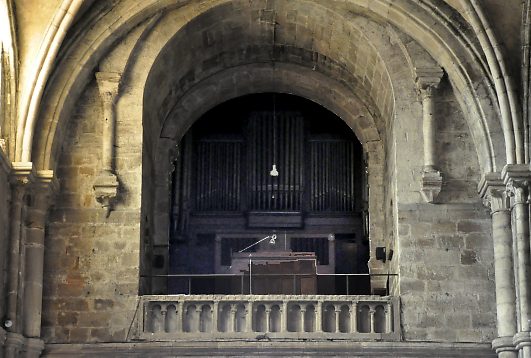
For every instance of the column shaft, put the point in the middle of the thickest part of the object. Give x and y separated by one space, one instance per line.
521 217
14 279
108 135
428 128
503 266
34 265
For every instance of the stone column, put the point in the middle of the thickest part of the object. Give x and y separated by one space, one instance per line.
337 310
268 318
303 313
427 81
215 315
284 317
495 196
372 312
354 317
42 191
516 178
179 312
232 323
22 176
388 318
106 185
249 317
319 316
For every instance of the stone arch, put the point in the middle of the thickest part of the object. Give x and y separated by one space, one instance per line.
357 84
430 28
379 101
292 79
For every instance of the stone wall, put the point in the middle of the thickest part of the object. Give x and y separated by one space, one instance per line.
92 261
445 249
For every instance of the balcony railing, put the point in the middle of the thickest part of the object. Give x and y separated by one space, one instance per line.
287 283
267 317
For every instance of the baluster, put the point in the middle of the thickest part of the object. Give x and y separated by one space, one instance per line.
354 317
179 312
215 314
163 311
284 317
372 311
171 318
156 324
232 322
337 310
249 317
197 321
388 318
267 317
319 317
303 312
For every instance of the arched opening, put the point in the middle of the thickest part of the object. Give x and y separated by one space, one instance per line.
268 197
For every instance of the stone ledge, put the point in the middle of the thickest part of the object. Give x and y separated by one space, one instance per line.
274 348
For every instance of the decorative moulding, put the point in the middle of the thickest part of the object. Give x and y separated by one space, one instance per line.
431 185
106 190
22 173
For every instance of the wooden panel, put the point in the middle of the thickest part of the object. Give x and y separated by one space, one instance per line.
275 219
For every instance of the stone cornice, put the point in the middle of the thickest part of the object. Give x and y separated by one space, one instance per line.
278 348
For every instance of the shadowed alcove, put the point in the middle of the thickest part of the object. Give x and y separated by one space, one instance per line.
273 184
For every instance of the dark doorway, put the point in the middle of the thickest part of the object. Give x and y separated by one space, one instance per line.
267 198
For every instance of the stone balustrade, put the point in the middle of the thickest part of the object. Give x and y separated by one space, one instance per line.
174 317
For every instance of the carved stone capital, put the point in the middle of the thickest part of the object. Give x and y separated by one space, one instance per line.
106 189
517 177
426 92
427 79
494 193
22 173
108 85
431 185
42 193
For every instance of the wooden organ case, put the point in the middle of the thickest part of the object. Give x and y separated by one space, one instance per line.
227 196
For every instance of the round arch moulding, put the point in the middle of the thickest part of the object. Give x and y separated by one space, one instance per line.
429 29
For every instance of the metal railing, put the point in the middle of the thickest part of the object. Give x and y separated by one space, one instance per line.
257 283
